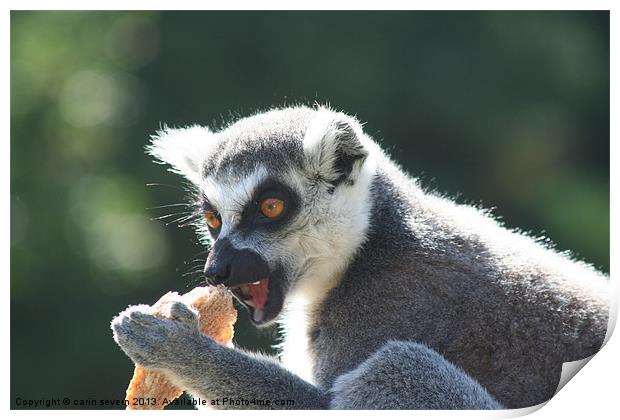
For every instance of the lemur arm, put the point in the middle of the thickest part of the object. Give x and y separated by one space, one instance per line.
400 375
207 369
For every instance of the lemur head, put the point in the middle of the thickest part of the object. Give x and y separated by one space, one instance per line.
284 200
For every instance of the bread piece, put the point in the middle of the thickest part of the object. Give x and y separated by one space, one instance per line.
217 315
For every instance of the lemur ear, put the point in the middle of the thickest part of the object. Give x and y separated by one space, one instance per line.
184 149
333 147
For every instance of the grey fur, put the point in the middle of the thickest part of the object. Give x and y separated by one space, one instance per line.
422 373
508 320
435 306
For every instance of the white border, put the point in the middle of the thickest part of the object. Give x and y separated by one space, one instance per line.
593 394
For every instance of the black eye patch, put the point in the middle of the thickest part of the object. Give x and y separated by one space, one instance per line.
252 217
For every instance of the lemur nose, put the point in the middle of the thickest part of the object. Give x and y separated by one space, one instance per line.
232 267
217 273
218 265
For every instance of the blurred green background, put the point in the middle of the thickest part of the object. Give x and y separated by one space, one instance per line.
509 110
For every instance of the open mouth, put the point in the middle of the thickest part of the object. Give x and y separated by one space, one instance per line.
256 298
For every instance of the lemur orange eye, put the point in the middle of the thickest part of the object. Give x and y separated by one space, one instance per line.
272 207
212 219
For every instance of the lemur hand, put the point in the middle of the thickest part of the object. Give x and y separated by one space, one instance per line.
158 343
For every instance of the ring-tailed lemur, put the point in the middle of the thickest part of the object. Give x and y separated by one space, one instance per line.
390 296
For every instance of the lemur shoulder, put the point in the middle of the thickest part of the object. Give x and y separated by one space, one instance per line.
390 296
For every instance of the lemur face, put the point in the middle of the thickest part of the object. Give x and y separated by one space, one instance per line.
283 199
250 221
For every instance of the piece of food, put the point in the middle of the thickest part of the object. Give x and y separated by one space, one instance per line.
217 315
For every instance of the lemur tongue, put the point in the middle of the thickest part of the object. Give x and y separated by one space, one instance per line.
259 293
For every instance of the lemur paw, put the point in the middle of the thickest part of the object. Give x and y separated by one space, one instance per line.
183 314
155 342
